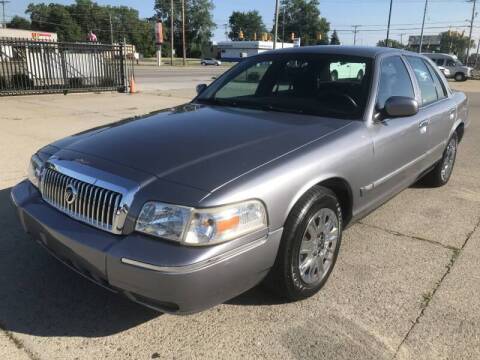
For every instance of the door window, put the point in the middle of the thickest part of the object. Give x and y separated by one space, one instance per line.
425 80
394 81
441 90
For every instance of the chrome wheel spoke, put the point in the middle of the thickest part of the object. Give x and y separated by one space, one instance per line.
318 246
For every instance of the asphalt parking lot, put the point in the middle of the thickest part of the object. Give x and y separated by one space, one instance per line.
405 287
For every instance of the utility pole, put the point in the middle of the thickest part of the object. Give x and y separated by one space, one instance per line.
183 34
283 27
226 31
388 27
423 27
476 57
275 32
4 2
355 31
111 29
171 32
471 28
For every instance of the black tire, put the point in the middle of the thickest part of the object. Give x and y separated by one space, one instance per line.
285 278
460 77
334 75
437 177
360 75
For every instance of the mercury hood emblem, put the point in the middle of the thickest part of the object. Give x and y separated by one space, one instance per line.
70 194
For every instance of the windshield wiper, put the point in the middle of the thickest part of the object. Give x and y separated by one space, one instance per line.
268 107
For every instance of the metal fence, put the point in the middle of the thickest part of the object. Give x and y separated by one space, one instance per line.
35 67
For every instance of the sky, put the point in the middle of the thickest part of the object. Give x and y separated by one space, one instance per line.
371 15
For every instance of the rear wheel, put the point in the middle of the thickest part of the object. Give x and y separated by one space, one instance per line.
460 77
309 247
441 173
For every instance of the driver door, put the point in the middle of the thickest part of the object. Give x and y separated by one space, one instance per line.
399 143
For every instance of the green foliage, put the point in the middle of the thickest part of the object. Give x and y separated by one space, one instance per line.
454 42
249 23
391 43
199 24
19 22
302 17
73 22
334 39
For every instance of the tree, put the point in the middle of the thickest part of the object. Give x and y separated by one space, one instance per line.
73 22
199 24
250 23
302 17
334 39
54 18
19 22
454 42
391 43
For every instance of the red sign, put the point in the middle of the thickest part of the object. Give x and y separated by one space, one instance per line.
159 33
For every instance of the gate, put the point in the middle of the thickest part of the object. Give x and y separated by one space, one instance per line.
37 67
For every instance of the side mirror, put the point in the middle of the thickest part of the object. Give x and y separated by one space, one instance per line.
201 88
400 106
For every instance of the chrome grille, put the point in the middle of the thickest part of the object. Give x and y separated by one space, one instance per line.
91 204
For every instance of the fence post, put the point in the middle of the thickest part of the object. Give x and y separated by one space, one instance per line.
123 88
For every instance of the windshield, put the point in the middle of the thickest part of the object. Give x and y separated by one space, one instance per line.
324 85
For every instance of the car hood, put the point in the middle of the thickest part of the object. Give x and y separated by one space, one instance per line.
201 146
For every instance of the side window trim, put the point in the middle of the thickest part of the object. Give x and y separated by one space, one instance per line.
434 75
409 71
419 96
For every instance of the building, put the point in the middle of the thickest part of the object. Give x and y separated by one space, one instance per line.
431 43
6 33
237 50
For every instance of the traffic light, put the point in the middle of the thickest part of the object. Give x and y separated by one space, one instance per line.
240 35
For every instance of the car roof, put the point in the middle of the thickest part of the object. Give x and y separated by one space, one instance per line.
364 51
438 55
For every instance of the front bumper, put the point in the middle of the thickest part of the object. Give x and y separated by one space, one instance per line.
159 274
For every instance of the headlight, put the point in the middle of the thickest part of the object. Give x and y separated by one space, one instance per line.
202 226
35 168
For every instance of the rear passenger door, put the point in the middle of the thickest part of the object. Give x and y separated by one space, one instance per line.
436 108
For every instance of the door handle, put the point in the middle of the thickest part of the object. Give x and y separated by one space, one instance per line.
424 124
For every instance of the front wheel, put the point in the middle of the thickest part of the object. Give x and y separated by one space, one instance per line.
442 172
310 246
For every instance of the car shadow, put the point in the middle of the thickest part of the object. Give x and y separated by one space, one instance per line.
257 296
42 297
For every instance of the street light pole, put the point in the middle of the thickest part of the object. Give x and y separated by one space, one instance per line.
389 19
471 28
423 26
171 32
275 33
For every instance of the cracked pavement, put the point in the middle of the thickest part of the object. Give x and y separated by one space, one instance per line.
405 286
